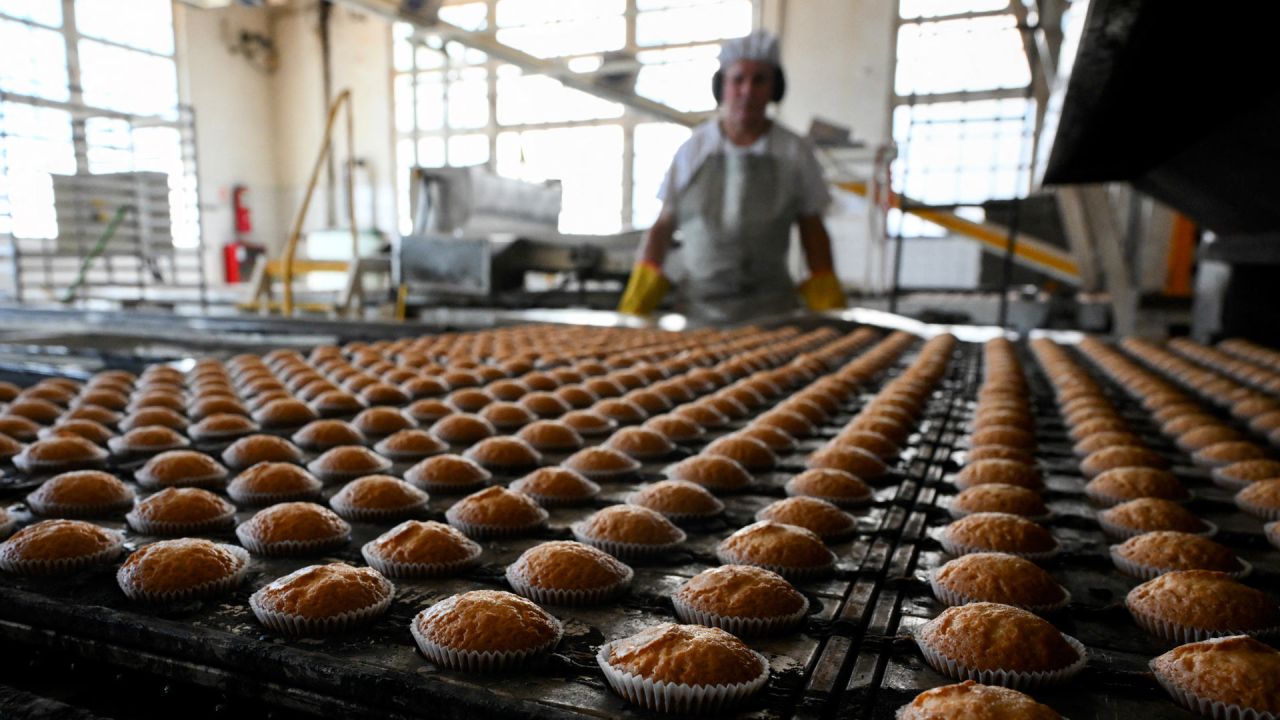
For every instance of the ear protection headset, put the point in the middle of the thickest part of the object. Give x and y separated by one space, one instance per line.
779 85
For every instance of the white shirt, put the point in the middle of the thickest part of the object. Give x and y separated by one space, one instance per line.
800 168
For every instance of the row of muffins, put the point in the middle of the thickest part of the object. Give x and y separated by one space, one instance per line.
1188 577
1257 376
1252 352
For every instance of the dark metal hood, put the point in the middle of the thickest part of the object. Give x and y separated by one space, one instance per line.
1179 98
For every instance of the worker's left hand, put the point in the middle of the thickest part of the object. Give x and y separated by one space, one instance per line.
822 292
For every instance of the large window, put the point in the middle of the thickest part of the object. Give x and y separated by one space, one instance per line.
457 106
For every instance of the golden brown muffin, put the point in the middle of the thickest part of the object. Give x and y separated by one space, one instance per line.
294 528
154 416
222 426
379 422
999 452
381 393
568 573
628 531
545 404
496 512
820 517
1127 483
1006 435
835 486
601 462
1184 423
998 532
96 413
81 493
321 435
1235 671
588 423
424 387
208 404
39 411
58 454
1148 515
678 500
556 486
504 453
410 445
94 432
778 441
284 413
447 473
421 549
58 547
378 497
24 429
177 511
577 396
484 630
1002 472
675 428
790 551
706 415
251 450
742 599
714 472
551 436
1228 453
1245 472
990 636
873 442
104 397
1187 605
463 429
1206 435
469 400
182 569
1261 499
1083 430
322 599
348 462
998 578
1153 553
641 443
750 453
1103 440
855 461
147 440
971 701
507 415
181 468
429 410
1121 457
684 655
268 483
998 497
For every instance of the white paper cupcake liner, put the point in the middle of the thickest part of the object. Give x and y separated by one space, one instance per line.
569 598
477 661
1145 572
958 549
1179 634
678 698
740 626
1119 532
626 551
155 527
957 514
288 548
952 598
1265 513
393 569
1022 681
212 481
790 573
481 531
61 566
288 624
347 511
1215 709
68 510
195 592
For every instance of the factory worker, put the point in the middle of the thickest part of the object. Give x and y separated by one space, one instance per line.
733 191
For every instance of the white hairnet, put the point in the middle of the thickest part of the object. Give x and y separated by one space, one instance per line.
760 46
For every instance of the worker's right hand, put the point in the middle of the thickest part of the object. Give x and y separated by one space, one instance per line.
644 290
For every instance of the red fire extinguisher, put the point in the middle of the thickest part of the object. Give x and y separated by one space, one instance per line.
240 254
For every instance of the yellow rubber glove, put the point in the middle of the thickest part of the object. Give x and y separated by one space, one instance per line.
644 290
822 292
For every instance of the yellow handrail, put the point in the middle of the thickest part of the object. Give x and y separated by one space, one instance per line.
326 147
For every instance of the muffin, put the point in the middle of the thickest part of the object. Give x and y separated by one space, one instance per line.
348 463
628 531
1147 514
998 578
161 416
1102 440
1155 553
999 452
1239 475
462 429
1261 499
181 511
379 422
322 600
1127 483
589 424
600 463
972 701
222 427
998 532
321 435
181 570
544 404
1003 472
875 443
284 413
714 472
496 512
1206 435
1227 453
1001 498
410 445
504 453
416 549
269 483
447 474
835 486
81 493
556 487
818 516
999 644
1233 677
568 573
678 500
181 468
90 430
1007 435
750 453
507 415
429 410
24 429
1191 605
378 497
484 631
1121 457
742 599
294 528
249 451
855 461
641 443
683 669
792 552
58 547
59 454
551 436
